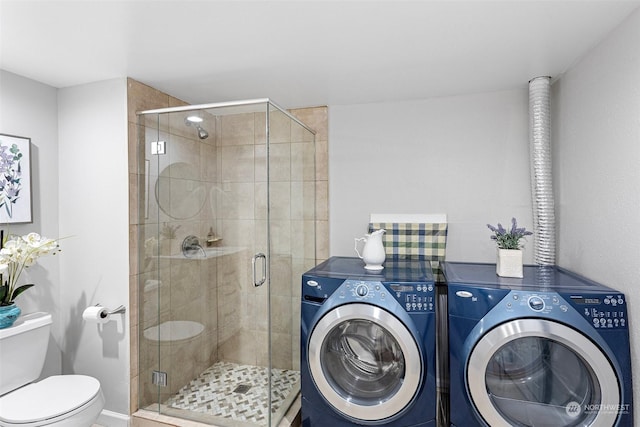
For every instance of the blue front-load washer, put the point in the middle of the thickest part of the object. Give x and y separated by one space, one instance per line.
368 340
550 349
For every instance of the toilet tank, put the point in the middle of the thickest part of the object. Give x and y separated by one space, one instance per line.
23 348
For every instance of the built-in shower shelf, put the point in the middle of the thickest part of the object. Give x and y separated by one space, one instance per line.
207 253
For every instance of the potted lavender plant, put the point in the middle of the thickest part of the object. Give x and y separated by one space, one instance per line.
509 261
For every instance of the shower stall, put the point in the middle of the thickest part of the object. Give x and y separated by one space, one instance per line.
227 225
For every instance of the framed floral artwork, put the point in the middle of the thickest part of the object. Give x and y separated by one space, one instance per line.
15 179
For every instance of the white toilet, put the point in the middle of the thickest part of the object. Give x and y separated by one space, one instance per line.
59 400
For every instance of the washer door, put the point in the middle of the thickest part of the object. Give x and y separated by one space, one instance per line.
365 362
531 372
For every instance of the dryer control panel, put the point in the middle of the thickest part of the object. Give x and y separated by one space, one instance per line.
603 311
536 302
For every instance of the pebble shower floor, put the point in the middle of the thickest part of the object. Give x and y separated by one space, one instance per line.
236 392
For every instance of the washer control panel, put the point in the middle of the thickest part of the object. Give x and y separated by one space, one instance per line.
413 297
603 311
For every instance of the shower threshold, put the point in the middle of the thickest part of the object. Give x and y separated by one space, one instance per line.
233 395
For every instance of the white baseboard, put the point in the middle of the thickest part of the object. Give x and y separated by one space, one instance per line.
113 419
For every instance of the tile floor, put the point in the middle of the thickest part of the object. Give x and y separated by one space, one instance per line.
237 393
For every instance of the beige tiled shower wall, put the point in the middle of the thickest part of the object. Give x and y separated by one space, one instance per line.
190 289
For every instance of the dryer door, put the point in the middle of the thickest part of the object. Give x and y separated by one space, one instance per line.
530 372
365 362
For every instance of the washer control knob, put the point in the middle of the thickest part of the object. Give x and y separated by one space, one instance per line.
536 303
362 290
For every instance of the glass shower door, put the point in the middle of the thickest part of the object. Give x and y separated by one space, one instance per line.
228 227
292 247
244 303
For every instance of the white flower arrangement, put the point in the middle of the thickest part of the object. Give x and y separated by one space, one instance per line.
16 254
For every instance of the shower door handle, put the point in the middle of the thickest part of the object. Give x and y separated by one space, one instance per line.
254 261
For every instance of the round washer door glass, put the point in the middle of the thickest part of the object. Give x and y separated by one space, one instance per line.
531 372
364 362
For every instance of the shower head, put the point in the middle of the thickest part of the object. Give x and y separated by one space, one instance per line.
202 134
194 120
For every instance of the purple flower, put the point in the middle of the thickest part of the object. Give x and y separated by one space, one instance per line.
508 239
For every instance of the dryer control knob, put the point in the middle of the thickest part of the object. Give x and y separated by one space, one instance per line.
362 290
536 303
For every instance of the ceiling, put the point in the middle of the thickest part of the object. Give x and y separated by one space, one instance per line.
303 53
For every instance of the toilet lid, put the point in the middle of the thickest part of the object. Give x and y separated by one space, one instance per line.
49 398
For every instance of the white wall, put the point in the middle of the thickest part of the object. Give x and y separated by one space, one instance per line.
596 134
94 266
79 145
465 156
29 109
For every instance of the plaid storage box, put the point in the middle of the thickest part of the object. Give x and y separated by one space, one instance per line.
413 236
427 241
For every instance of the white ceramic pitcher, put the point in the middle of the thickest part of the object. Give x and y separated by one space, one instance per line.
373 253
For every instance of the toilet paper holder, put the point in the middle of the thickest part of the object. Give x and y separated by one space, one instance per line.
117 310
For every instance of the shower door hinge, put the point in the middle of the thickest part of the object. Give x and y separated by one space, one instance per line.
159 378
158 147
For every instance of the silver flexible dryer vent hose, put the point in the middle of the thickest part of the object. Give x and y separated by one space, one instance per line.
544 223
